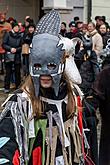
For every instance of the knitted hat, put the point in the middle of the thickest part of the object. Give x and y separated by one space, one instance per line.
14 24
72 23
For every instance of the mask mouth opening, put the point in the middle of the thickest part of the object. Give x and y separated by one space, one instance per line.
45 77
46 81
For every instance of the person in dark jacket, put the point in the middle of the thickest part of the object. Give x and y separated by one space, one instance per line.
86 61
27 40
12 44
74 32
105 35
27 22
101 93
63 29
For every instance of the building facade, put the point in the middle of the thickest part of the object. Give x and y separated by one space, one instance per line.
36 8
101 7
68 8
20 8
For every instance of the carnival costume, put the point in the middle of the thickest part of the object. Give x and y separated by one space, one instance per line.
56 136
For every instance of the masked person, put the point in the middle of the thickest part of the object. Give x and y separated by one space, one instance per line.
86 61
39 124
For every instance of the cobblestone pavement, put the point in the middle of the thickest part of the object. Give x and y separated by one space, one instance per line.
2 99
3 96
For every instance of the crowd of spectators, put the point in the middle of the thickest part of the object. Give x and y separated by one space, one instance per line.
15 39
95 38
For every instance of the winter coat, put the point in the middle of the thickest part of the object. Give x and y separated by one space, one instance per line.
105 37
88 68
13 40
97 41
27 38
101 92
63 32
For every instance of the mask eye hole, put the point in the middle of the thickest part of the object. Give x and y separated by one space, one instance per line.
51 66
37 66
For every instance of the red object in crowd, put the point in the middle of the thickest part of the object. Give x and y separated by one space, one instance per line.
75 31
2 51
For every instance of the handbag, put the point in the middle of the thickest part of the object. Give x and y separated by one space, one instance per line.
25 49
9 57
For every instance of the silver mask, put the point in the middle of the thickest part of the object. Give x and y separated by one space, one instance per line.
46 59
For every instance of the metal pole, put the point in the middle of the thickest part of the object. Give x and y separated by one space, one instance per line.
89 10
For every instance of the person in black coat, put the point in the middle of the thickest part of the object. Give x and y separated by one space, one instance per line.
105 35
73 33
12 43
63 29
86 61
27 40
101 94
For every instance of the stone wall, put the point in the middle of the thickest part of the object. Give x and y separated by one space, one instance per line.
101 7
20 8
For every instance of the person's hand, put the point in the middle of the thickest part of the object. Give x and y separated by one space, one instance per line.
13 50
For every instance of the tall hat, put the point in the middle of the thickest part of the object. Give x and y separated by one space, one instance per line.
47 51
